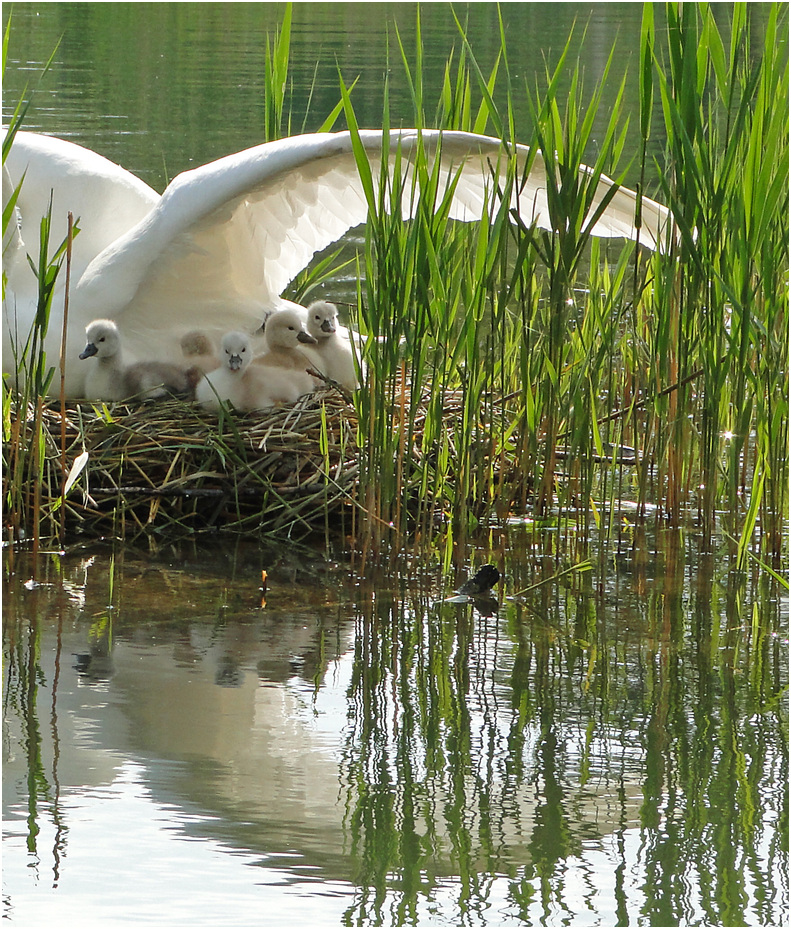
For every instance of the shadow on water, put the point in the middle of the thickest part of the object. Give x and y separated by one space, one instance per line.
582 751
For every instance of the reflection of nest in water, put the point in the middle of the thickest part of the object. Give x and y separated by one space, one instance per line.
170 466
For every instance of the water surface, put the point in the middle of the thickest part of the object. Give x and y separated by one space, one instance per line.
355 749
163 87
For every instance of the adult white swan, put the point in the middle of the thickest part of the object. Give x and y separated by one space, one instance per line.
218 248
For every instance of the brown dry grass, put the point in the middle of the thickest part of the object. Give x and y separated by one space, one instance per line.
172 468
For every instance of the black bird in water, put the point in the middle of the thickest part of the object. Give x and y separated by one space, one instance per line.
478 590
480 583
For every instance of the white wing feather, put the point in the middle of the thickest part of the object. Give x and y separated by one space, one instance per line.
218 248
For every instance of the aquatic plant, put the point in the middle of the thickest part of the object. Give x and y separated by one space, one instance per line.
561 375
720 295
24 394
517 373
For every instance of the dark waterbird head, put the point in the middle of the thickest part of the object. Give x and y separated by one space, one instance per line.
481 582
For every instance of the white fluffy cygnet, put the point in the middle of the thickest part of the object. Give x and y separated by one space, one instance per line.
283 360
104 379
333 354
111 375
261 385
226 384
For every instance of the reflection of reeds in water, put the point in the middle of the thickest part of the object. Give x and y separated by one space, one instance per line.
489 762
518 371
505 749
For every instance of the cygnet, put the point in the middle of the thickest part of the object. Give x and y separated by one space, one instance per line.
105 377
250 386
333 354
112 377
227 383
156 379
283 360
198 350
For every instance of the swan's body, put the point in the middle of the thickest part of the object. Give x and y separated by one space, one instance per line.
227 382
112 375
217 249
333 354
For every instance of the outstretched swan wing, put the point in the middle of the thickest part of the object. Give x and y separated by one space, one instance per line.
103 198
217 249
106 199
227 238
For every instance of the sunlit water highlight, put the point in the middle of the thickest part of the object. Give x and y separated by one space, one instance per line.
157 874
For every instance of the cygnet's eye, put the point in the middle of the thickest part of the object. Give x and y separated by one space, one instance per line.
243 349
102 339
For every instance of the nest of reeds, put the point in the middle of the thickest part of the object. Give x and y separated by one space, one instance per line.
170 467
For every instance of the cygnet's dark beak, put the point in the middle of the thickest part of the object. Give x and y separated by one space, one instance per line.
328 326
90 349
306 337
235 362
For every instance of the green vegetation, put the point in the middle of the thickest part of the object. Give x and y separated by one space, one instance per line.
553 376
560 373
24 449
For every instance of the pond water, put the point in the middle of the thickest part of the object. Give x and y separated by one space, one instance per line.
169 86
347 747
353 749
